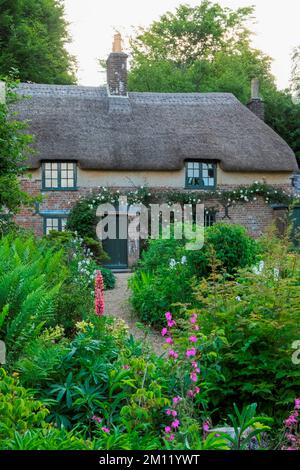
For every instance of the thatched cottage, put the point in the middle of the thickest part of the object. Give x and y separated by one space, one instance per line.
88 137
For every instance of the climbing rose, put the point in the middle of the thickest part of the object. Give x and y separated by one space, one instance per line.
99 294
164 331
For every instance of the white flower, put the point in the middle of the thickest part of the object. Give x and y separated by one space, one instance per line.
238 298
183 260
172 263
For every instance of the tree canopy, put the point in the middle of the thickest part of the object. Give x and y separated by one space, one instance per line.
33 35
14 147
207 48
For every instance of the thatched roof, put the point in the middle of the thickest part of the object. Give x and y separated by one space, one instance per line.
148 131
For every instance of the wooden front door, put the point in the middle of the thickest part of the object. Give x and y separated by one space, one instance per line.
117 249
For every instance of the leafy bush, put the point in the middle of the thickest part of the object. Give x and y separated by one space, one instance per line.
232 246
19 411
165 274
29 285
251 324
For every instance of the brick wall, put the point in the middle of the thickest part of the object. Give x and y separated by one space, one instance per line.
256 216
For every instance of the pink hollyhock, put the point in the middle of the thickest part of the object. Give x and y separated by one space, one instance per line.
173 354
171 323
164 331
99 294
169 341
297 404
175 424
191 352
193 339
168 316
194 376
168 429
176 400
105 429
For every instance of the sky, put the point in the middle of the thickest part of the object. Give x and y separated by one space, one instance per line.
93 23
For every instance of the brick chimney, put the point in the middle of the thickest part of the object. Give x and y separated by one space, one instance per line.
117 69
2 92
256 104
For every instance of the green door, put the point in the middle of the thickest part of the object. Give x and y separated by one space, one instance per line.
296 225
117 249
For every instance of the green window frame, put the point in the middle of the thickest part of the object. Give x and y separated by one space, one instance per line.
59 176
200 175
54 222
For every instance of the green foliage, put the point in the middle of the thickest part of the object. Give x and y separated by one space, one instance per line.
19 410
29 285
166 271
230 244
252 323
14 147
45 439
33 38
247 427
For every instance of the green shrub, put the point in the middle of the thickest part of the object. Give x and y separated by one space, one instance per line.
251 324
30 279
232 246
155 293
19 411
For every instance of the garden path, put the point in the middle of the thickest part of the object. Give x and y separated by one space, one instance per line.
117 304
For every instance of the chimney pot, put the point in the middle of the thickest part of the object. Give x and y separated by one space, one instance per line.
256 104
117 69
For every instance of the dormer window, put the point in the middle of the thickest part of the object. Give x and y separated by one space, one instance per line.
200 175
59 176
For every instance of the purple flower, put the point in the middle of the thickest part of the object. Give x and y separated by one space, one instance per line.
176 400
191 352
164 331
193 339
105 429
175 424
168 316
168 429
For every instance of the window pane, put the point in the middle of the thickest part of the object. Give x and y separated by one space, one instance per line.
63 224
47 166
64 173
70 183
64 183
63 166
54 183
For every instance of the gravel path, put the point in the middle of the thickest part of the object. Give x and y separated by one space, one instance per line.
117 305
